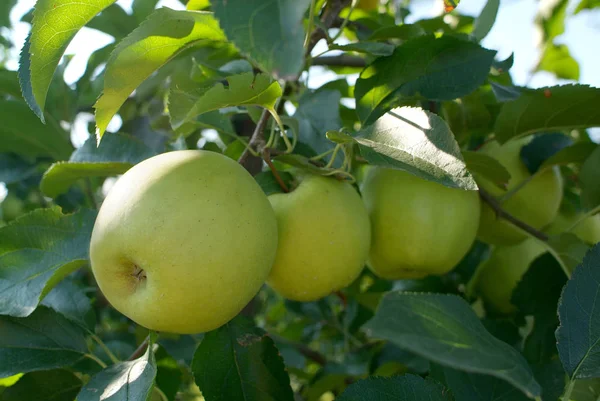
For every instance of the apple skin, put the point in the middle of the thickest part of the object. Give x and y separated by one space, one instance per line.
587 230
201 229
536 203
324 238
419 227
498 276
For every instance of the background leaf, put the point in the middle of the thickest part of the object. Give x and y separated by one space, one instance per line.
484 23
433 68
578 335
269 32
589 177
156 41
55 23
36 252
397 388
116 154
444 329
54 385
240 362
43 340
419 142
549 109
480 164
26 136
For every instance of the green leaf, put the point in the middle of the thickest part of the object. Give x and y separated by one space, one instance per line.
143 8
484 23
168 374
124 381
542 147
419 142
26 136
55 23
240 362
578 335
397 388
317 113
116 154
5 7
404 32
165 34
70 300
44 340
114 21
589 177
475 387
243 90
9 83
54 385
445 329
549 109
433 68
14 168
558 60
587 5
482 165
269 184
568 249
374 48
586 390
269 32
36 252
576 153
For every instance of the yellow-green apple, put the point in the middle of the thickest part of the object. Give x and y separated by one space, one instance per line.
324 238
498 276
183 241
367 5
535 203
419 227
588 229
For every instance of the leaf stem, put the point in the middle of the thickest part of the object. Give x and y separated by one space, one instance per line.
90 193
140 350
267 158
345 22
257 136
497 207
569 390
97 360
104 347
311 23
512 192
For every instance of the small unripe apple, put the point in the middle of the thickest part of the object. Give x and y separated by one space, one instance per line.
535 203
419 227
499 275
587 230
12 207
183 241
324 238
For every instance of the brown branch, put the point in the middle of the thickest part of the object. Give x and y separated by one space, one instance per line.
497 207
140 350
343 60
308 352
266 154
328 17
258 137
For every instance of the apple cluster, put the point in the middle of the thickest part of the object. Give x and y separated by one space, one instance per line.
185 239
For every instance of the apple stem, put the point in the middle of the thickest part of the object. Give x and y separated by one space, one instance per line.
267 158
495 205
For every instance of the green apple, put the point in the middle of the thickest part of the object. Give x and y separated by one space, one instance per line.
419 227
367 5
498 276
535 203
183 241
324 238
588 230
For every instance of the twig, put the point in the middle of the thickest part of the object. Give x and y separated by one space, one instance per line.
343 60
328 17
140 350
267 158
308 352
257 136
495 205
